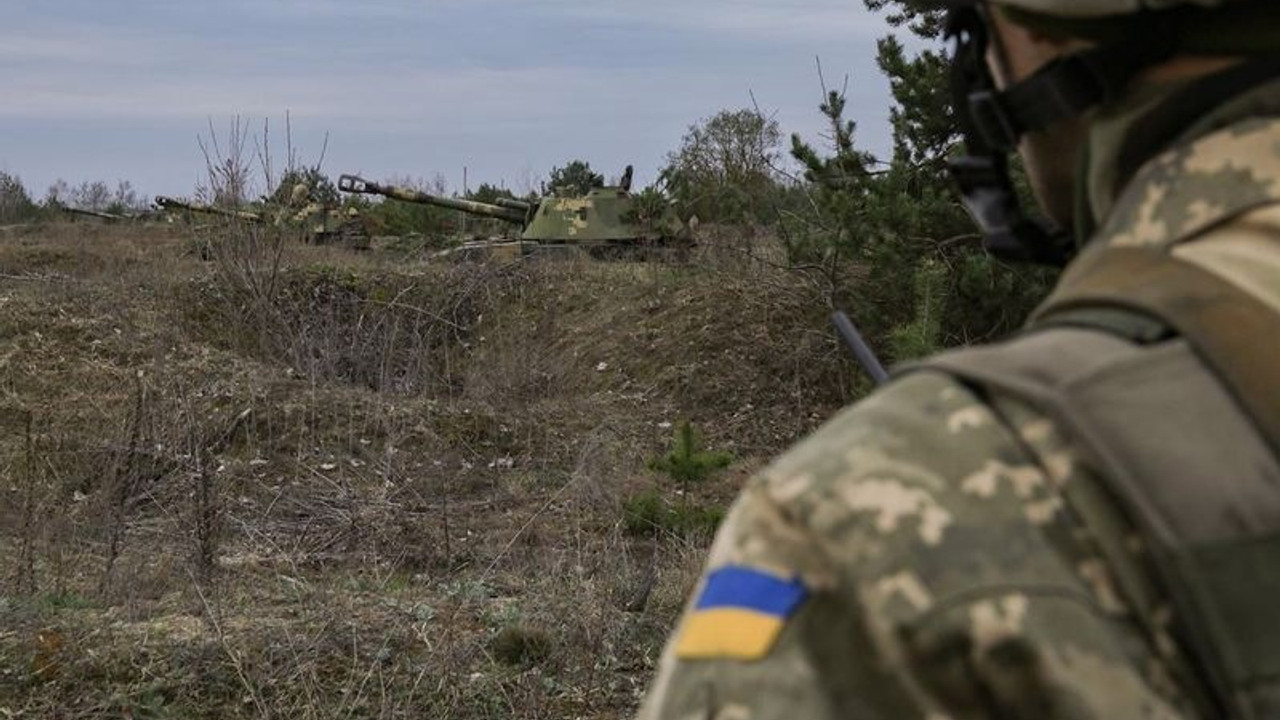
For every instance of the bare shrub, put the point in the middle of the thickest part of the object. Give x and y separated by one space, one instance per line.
228 166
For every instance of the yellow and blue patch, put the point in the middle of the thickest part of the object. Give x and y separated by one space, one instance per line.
739 615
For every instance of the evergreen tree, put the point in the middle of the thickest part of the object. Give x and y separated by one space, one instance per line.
320 189
686 462
575 178
487 193
927 281
15 202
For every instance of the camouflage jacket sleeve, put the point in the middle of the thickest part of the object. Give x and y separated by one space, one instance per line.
912 559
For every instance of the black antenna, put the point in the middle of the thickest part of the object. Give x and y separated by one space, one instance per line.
866 358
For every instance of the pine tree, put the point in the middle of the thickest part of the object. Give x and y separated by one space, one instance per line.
926 282
575 178
686 463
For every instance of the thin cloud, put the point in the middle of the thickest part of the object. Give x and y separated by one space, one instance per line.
82 47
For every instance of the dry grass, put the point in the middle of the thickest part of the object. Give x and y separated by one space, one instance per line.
287 481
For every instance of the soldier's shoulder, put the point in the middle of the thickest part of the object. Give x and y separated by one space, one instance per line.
915 430
1196 186
915 462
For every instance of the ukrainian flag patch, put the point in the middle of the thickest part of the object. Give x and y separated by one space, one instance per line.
739 615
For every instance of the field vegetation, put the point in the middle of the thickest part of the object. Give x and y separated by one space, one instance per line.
246 477
293 481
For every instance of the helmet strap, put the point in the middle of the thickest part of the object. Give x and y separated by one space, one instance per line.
993 121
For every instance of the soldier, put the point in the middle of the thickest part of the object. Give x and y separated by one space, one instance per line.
1080 522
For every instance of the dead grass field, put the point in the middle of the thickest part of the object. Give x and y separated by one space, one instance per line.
298 482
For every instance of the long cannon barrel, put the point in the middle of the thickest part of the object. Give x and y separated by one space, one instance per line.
93 213
514 204
360 186
169 203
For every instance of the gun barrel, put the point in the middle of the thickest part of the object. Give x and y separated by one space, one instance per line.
93 213
861 350
514 204
169 203
358 185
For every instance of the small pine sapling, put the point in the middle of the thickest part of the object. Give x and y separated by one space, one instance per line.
685 462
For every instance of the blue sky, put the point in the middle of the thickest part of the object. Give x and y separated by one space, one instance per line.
97 90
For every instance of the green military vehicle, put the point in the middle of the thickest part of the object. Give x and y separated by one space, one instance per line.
604 222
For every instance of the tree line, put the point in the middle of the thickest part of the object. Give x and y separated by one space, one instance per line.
17 205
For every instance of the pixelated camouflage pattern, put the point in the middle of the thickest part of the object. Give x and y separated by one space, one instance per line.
1196 186
1215 199
319 223
948 580
951 575
603 215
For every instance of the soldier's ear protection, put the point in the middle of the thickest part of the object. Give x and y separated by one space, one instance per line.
992 122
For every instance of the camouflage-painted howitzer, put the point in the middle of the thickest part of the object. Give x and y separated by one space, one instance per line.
171 204
603 218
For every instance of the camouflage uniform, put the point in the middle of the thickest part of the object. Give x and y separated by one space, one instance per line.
925 554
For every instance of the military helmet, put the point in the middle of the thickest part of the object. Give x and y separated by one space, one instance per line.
1128 37
1094 8
1204 27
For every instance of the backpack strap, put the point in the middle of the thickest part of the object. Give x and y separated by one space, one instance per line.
1177 459
1236 334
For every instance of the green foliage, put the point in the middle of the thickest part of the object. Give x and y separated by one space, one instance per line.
521 645
576 178
320 189
840 185
723 170
15 203
49 602
685 462
487 193
647 513
648 206
644 513
924 281
394 217
921 16
922 334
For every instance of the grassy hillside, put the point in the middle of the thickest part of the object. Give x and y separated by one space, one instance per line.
243 477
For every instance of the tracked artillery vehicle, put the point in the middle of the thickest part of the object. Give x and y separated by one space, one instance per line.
321 225
606 221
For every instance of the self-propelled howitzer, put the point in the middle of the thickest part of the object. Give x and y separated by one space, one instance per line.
604 218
